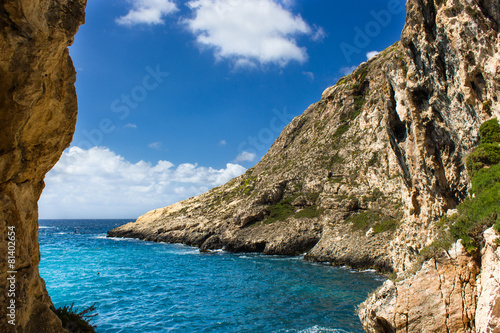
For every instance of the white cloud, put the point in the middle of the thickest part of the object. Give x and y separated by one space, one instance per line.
147 12
98 183
319 34
222 143
371 54
248 32
309 75
134 126
347 70
245 156
155 145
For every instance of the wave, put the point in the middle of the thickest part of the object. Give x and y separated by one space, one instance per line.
318 329
314 329
118 239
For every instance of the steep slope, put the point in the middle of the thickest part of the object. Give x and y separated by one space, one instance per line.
362 177
38 111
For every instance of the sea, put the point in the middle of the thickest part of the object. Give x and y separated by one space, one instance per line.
140 286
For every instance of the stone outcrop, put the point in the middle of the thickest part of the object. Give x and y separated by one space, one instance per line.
488 303
38 110
453 293
363 175
440 297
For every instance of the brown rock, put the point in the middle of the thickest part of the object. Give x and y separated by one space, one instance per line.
38 111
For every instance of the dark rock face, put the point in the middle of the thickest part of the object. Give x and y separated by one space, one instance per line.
38 110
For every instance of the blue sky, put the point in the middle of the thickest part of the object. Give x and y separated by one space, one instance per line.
176 97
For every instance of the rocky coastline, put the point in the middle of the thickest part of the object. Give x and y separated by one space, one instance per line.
363 176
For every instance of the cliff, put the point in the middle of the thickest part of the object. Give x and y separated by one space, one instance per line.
363 175
38 110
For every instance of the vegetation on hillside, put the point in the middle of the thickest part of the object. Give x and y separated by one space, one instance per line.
76 321
481 210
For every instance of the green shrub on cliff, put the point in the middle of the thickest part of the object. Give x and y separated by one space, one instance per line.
485 155
490 131
76 321
481 210
488 152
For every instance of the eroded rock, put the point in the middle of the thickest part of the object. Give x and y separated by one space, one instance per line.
38 109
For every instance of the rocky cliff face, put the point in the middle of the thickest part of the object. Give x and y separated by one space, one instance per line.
364 174
38 111
454 294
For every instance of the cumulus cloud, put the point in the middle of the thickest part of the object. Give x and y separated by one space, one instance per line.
147 12
248 32
371 54
245 156
222 143
98 183
129 125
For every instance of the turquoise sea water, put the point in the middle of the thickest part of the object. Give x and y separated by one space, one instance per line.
156 287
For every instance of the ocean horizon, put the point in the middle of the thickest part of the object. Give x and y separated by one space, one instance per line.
140 286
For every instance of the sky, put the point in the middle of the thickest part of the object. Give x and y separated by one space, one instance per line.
176 97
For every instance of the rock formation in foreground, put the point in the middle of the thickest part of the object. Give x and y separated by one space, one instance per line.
38 110
362 176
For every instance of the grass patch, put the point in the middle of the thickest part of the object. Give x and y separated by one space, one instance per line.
388 224
284 209
281 210
76 321
246 186
341 130
309 212
372 219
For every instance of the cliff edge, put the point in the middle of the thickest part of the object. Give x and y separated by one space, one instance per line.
38 110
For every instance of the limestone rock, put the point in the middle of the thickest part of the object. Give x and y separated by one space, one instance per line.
440 297
488 303
38 111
